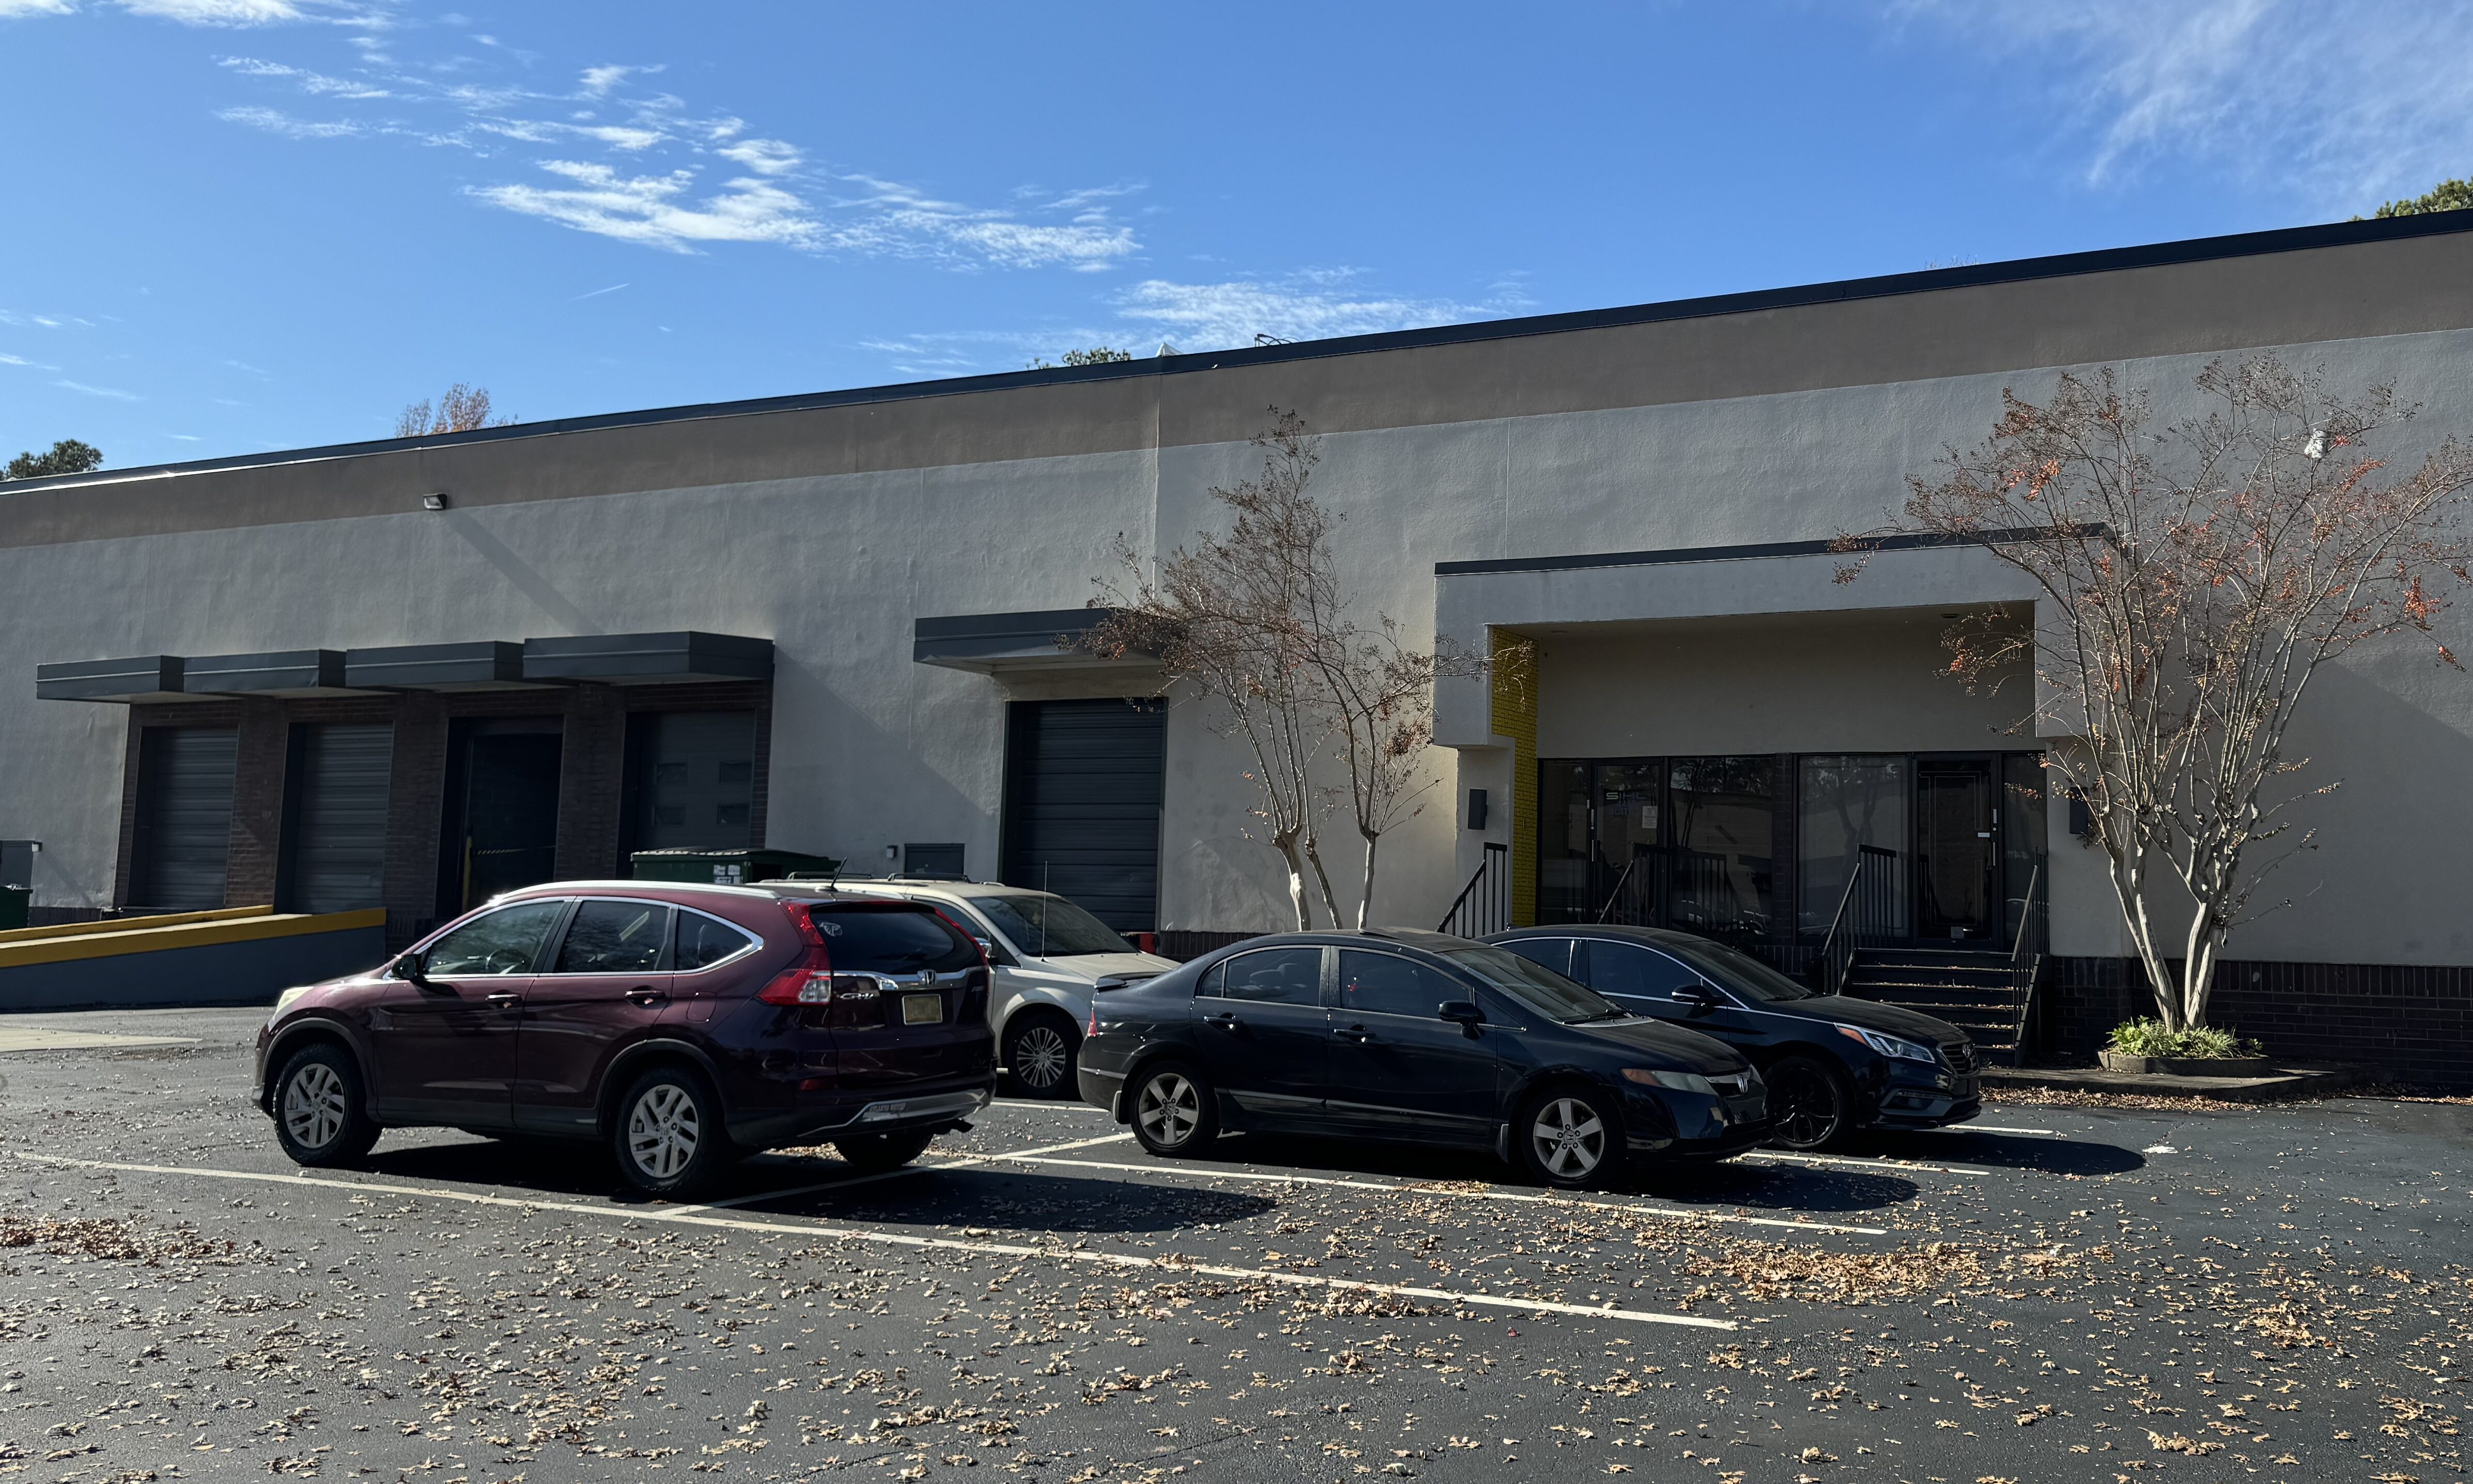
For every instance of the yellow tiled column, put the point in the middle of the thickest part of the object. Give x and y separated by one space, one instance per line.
1514 705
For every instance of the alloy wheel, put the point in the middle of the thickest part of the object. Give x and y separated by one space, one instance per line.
1040 1057
1570 1138
314 1106
1804 1106
663 1129
1168 1109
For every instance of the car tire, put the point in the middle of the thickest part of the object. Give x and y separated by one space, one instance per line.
1174 1110
1811 1103
1040 1049
667 1133
322 1108
1570 1138
874 1154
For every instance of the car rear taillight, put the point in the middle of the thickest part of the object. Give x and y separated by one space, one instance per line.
1094 1018
810 980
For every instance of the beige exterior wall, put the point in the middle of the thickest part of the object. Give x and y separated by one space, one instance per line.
830 529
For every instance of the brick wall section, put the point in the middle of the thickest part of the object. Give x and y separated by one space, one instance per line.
2411 1023
590 771
250 878
416 795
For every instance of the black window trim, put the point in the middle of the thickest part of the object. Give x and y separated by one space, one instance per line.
1727 999
1339 984
1326 976
546 952
575 904
749 942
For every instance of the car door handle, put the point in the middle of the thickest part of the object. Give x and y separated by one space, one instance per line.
505 999
1356 1033
646 994
1224 1020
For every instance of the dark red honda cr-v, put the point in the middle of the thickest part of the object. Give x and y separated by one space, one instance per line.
682 1025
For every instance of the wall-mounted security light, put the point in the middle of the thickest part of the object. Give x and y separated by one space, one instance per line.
433 502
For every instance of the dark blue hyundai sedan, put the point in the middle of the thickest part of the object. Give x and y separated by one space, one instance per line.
1833 1065
1414 1037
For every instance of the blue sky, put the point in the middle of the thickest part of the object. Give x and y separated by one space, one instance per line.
243 224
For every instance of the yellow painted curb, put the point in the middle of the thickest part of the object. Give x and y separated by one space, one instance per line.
112 940
125 925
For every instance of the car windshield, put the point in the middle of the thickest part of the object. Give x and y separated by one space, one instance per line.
1740 971
1046 927
1536 985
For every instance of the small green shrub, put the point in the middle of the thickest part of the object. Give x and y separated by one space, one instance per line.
2151 1038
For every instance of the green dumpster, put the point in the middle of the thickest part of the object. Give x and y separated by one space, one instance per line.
728 868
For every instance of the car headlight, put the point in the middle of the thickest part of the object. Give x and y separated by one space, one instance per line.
1888 1045
284 1001
1680 1081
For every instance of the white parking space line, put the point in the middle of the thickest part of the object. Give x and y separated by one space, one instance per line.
1389 1188
896 1174
52 1038
1992 1127
1165 1266
1048 1105
1858 1162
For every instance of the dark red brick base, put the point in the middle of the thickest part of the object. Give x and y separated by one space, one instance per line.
2412 1024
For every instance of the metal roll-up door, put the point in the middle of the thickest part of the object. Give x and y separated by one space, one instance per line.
697 780
1083 786
338 818
184 814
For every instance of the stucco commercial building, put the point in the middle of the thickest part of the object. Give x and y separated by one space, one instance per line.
409 674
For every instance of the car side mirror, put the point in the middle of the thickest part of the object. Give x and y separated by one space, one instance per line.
413 966
1698 995
1462 1012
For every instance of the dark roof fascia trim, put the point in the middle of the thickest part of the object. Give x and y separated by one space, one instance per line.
1854 549
1042 622
2196 250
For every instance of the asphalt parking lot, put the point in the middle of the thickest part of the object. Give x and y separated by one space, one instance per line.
2052 1293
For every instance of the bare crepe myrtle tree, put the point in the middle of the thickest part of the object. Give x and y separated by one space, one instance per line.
463 408
1259 620
1228 619
2192 579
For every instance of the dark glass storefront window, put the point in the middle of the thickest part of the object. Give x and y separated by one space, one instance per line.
1725 837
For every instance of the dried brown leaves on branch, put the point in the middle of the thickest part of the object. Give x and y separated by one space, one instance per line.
1259 620
463 408
2190 580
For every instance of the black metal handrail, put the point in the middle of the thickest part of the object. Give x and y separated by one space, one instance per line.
1484 906
1869 914
2027 957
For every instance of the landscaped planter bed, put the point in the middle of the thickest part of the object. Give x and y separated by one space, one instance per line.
2188 1065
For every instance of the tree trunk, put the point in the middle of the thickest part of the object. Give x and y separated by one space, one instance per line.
1287 843
1365 901
1322 878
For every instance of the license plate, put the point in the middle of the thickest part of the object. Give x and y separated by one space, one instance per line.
922 1008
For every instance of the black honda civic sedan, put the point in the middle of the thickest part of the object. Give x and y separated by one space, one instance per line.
1414 1037
1833 1064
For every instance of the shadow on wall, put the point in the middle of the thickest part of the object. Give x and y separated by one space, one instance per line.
2387 881
809 802
526 577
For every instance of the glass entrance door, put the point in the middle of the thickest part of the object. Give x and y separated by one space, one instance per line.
1601 825
1957 850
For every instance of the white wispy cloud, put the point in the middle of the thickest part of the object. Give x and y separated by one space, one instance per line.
656 211
314 82
275 121
114 393
9 9
676 179
2343 110
1318 305
217 13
